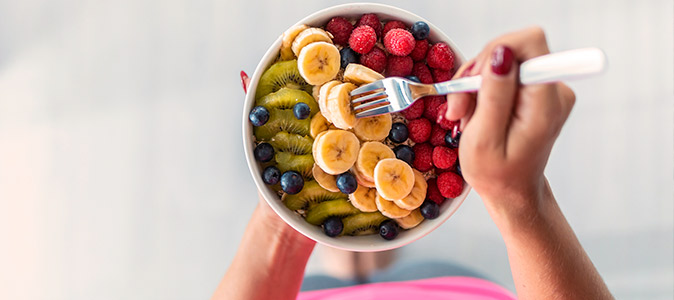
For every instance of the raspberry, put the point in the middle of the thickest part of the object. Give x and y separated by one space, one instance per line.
362 39
399 66
399 42
444 122
432 105
419 130
420 49
341 30
393 25
421 71
414 111
437 135
423 157
444 157
432 192
375 60
450 184
371 20
440 57
441 75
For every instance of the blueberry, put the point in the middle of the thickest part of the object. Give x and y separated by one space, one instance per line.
429 209
452 142
258 116
271 175
405 153
263 152
388 229
346 183
458 169
413 78
420 30
398 133
292 182
347 56
333 226
301 110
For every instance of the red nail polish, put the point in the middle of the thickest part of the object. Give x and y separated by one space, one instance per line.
501 60
244 76
466 71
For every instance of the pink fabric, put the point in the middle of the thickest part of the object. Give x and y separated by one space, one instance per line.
428 289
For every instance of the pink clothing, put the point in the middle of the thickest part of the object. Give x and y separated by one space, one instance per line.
428 289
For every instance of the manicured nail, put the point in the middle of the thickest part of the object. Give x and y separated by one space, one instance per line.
501 60
244 77
466 71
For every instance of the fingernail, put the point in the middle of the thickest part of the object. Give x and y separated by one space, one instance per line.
466 72
501 60
244 76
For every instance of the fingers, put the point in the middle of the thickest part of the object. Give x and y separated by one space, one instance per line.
458 104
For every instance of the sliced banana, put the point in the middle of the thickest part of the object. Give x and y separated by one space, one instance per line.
364 198
369 155
287 41
417 195
394 178
339 106
373 128
389 209
318 136
411 220
361 180
359 74
336 151
318 62
308 36
318 124
325 180
323 98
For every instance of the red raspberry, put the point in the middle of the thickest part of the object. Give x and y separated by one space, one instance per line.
419 129
438 135
432 106
341 30
450 184
414 111
393 25
421 71
362 39
440 57
375 60
371 20
399 42
444 157
441 75
399 66
420 49
444 122
432 192
423 157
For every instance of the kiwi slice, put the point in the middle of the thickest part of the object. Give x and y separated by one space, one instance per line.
279 75
317 214
363 223
281 120
293 143
311 194
286 98
287 161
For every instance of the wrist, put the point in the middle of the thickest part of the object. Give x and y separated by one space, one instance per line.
520 207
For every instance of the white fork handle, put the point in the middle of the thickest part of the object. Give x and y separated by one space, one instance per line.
571 64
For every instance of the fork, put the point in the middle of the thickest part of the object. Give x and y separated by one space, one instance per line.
394 94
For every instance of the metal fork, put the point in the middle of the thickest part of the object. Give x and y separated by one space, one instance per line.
395 93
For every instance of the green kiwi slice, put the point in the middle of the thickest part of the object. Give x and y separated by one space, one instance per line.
291 142
317 214
286 98
287 161
279 75
311 194
363 223
281 120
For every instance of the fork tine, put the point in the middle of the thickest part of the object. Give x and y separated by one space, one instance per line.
367 88
375 111
374 96
371 103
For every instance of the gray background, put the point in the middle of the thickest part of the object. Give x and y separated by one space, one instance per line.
122 173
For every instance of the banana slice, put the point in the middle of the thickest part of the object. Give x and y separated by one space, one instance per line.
417 195
325 180
394 178
373 128
389 209
323 98
313 146
318 124
339 106
308 36
361 180
287 41
369 155
336 151
359 74
316 92
318 62
411 220
363 198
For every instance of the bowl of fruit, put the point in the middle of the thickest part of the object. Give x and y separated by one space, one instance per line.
358 184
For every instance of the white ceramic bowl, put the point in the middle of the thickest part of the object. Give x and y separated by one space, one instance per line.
352 243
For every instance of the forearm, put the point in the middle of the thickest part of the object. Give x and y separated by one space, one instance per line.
270 261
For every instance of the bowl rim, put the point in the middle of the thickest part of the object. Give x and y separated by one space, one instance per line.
357 243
